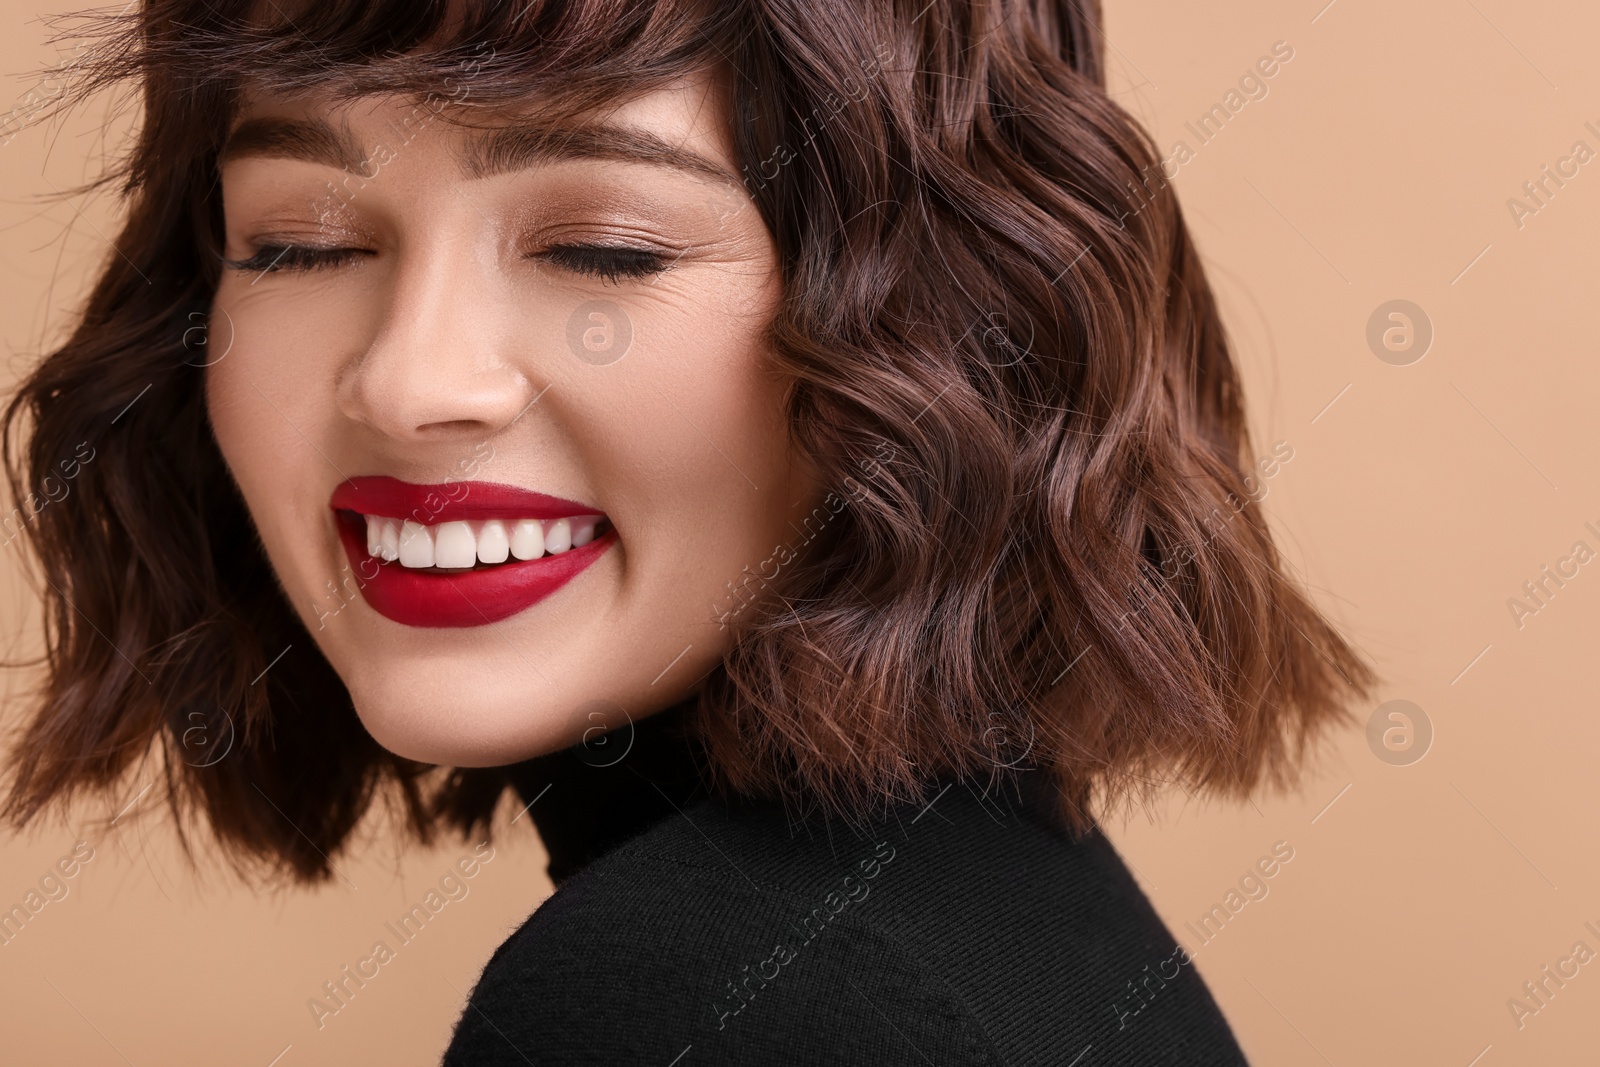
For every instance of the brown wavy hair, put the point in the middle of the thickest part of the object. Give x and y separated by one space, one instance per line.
1004 352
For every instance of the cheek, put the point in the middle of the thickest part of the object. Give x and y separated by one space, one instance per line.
697 430
688 439
233 416
268 411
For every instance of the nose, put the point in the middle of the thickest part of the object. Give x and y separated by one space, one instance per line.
439 366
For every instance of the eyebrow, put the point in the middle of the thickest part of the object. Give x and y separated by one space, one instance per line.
499 151
311 140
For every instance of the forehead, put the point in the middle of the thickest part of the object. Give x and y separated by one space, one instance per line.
682 125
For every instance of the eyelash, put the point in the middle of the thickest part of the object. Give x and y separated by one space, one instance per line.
610 263
273 258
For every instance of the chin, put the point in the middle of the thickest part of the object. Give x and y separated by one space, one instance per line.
459 734
453 717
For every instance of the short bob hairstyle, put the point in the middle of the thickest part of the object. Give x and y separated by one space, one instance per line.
1006 363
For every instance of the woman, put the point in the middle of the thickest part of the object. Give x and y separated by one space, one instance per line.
791 445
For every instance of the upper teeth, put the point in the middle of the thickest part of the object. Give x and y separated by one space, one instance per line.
463 544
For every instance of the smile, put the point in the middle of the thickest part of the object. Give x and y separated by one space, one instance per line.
463 545
462 553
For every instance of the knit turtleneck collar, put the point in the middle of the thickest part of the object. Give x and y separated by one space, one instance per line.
591 797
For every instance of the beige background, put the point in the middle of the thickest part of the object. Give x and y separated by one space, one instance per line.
1419 499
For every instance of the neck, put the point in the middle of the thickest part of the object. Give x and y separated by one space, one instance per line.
591 797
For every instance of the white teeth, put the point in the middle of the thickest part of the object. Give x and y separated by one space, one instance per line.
527 539
558 538
416 545
460 544
454 545
494 546
389 539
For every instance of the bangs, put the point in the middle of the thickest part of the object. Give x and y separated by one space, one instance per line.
205 56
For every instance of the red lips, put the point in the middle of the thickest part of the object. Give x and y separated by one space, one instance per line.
430 504
465 598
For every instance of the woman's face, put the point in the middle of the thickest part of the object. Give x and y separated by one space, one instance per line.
500 406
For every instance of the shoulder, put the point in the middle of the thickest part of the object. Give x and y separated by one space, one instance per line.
964 930
657 952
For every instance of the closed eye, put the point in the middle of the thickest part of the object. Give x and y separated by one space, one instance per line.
269 258
611 263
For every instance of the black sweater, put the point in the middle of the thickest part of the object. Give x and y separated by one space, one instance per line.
965 929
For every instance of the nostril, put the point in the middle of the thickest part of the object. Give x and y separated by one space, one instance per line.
454 427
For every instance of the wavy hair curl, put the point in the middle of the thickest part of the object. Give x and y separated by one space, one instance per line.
1003 348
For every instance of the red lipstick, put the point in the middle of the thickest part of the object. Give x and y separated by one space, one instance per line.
434 597
430 504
